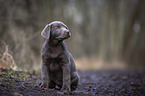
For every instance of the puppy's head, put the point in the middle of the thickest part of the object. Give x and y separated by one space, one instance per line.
57 30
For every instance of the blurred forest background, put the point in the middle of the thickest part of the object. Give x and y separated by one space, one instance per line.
105 33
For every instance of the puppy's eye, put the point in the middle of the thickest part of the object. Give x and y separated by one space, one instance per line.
58 27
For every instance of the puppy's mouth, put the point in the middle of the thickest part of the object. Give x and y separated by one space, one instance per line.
63 37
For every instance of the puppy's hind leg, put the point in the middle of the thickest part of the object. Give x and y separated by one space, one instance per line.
44 76
74 82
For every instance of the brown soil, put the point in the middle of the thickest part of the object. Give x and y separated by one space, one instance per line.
92 83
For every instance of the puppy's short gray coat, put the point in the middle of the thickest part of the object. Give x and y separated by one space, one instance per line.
58 67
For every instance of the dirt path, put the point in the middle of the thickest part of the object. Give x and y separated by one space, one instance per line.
99 83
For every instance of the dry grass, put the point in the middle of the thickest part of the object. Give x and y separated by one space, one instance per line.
97 64
84 63
6 60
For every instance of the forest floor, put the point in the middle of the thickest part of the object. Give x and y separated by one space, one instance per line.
92 83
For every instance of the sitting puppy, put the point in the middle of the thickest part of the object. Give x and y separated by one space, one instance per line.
58 67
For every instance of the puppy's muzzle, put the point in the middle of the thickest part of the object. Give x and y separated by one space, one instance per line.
67 34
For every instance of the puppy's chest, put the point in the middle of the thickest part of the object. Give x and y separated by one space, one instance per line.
55 64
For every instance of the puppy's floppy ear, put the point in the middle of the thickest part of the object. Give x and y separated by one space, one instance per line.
46 31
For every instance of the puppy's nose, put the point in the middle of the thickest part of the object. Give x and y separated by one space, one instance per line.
68 33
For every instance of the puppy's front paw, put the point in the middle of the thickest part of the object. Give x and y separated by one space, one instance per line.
44 85
66 88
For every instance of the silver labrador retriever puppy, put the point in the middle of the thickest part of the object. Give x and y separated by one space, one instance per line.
58 67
